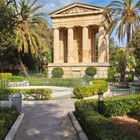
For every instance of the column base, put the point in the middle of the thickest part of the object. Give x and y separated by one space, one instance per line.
78 70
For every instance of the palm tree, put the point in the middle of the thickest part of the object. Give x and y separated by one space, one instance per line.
30 28
125 17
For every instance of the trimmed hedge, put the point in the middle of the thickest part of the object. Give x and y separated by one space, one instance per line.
91 71
29 94
86 91
97 127
7 119
15 78
122 105
57 72
116 106
5 75
38 94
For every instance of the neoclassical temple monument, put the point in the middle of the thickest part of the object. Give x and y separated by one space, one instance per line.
80 40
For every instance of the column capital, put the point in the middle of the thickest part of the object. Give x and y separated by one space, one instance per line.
85 26
70 27
55 28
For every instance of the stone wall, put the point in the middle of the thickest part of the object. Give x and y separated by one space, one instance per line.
78 70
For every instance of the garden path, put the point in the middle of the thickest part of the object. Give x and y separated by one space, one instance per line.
47 120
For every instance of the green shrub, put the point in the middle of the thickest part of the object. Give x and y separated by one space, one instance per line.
100 86
130 78
87 79
81 92
7 118
3 83
97 127
37 94
91 71
111 75
86 91
5 75
16 78
103 79
86 104
116 106
57 72
34 94
4 94
122 105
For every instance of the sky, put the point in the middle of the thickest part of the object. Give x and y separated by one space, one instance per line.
51 5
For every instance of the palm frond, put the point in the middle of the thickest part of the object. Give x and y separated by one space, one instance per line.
124 16
31 28
32 3
36 8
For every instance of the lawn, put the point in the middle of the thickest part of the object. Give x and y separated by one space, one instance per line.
44 81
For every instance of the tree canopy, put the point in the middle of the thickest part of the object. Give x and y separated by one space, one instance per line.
23 29
135 46
126 20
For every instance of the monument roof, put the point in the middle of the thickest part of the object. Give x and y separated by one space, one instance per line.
75 9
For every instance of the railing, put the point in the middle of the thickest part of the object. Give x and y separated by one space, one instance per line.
3 83
19 84
121 91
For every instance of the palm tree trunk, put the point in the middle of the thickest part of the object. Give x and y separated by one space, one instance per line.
126 51
22 66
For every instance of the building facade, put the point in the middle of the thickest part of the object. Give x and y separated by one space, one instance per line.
80 40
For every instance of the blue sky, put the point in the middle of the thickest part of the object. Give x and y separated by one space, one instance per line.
51 5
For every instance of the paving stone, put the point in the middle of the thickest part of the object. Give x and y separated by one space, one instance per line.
47 120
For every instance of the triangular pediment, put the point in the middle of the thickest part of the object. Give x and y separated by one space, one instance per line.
77 9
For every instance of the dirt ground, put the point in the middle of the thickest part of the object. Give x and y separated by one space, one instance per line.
130 123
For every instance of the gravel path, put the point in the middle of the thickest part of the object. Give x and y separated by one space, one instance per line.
47 121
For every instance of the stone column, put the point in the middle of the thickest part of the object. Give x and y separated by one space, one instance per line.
70 45
56 46
94 46
102 45
86 47
107 43
61 47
